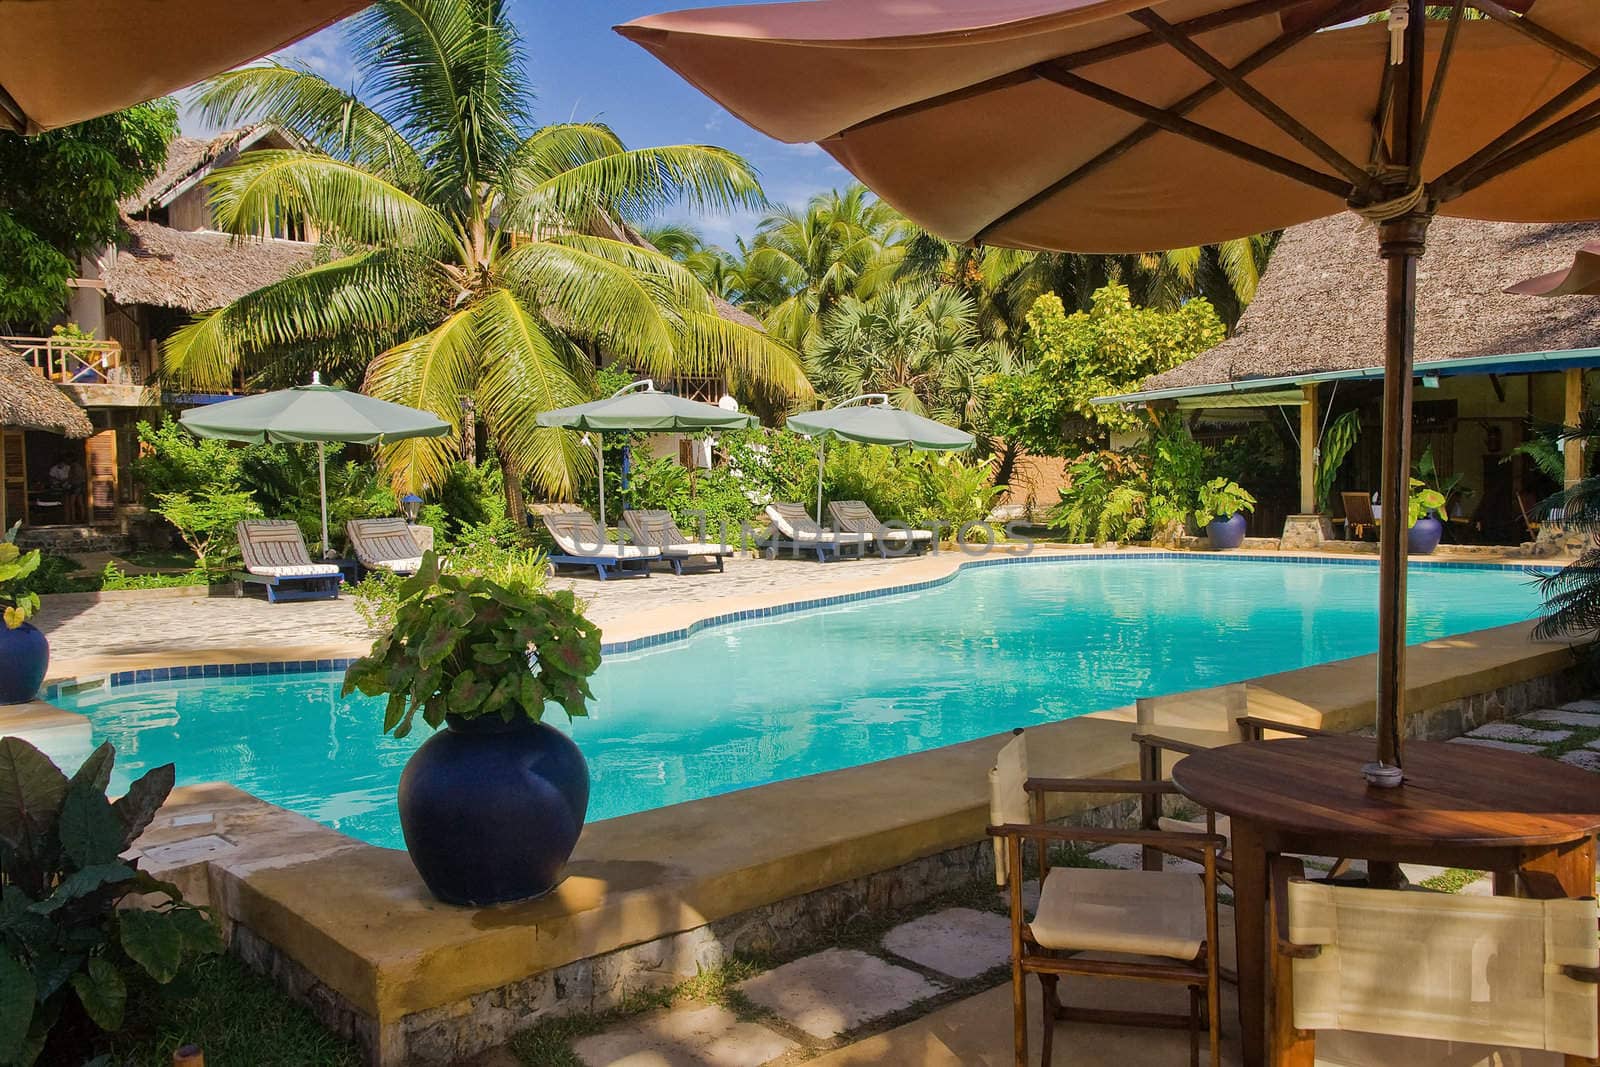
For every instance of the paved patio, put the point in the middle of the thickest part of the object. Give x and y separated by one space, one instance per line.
158 627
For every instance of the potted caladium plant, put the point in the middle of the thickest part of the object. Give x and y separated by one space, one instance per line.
491 805
24 651
1424 527
1222 510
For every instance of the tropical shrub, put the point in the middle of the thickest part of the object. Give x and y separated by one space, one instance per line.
284 481
1108 349
1087 511
956 493
207 523
113 577
1221 498
1337 441
460 645
1423 501
82 925
173 460
1426 471
887 480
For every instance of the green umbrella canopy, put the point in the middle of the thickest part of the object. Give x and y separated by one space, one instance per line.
877 422
645 409
309 414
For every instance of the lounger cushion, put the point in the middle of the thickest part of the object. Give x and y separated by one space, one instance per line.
1145 913
697 548
409 566
298 570
607 551
384 543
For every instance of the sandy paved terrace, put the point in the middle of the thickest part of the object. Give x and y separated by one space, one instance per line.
86 634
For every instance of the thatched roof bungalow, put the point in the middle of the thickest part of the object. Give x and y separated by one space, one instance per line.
1490 366
28 402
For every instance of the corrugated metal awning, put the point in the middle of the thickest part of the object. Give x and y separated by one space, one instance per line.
1265 391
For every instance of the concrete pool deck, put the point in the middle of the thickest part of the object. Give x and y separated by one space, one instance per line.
652 896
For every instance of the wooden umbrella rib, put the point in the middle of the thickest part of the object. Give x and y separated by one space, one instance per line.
1448 185
1437 90
1097 54
1255 98
1579 124
1194 131
1545 36
1255 61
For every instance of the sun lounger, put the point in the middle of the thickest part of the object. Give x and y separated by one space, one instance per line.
384 545
797 530
853 516
275 556
655 529
582 543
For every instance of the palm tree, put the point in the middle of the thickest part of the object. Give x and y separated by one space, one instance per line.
477 255
841 244
919 344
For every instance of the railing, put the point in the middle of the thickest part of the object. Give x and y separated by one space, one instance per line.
69 361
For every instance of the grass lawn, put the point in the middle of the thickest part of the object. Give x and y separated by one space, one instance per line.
237 1017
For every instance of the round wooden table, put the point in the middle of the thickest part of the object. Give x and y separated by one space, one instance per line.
1528 819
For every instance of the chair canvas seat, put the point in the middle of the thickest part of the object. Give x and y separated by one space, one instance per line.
296 570
1144 913
384 544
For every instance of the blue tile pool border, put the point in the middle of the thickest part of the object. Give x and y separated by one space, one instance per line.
139 676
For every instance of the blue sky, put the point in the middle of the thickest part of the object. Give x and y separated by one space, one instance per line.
582 70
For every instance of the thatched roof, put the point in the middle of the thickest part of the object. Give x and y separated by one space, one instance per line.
197 270
189 159
1320 306
28 402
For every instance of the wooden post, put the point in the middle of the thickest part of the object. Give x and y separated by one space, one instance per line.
1308 450
1573 414
1401 245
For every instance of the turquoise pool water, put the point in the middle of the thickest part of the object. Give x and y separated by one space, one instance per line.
816 690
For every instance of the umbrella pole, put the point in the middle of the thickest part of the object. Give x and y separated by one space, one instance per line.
1402 245
822 448
600 454
322 486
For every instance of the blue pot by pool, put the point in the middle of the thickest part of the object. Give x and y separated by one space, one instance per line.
1424 537
491 810
24 656
1227 533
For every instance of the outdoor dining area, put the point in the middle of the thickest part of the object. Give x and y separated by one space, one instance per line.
1111 127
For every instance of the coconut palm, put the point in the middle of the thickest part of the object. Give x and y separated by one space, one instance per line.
478 255
840 244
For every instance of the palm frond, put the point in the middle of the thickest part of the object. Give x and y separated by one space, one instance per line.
532 369
709 344
371 293
432 372
333 119
341 199
591 296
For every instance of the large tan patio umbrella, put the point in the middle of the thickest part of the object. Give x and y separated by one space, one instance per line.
63 61
1126 125
1582 278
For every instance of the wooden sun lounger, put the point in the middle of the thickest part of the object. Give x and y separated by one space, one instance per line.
656 529
582 543
274 555
799 532
384 544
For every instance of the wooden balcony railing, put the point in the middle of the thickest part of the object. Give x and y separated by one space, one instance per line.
73 362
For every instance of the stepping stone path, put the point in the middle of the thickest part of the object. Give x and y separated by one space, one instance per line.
1564 717
1131 858
1489 742
1587 758
959 942
1510 731
708 1036
837 990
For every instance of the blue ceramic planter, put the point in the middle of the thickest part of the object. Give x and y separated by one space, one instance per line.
1424 537
491 810
1227 533
24 656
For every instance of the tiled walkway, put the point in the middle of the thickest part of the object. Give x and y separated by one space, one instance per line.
933 990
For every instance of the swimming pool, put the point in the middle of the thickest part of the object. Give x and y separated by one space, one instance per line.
762 700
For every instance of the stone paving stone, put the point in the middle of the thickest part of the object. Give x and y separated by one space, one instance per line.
1587 758
837 990
1510 731
959 942
1591 707
1131 858
1030 896
1484 742
1562 717
688 1037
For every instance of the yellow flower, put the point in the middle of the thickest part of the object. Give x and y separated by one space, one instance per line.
15 617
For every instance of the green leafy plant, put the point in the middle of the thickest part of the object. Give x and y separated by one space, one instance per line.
1423 501
1084 510
1220 498
957 493
112 577
18 601
1426 471
79 924
460 645
1337 441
